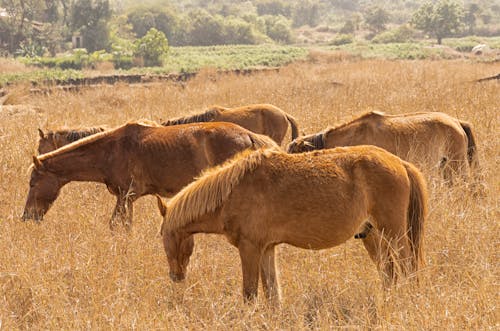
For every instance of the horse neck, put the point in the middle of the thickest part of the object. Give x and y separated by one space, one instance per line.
76 165
343 135
207 223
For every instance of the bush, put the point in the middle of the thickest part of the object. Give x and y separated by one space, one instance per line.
151 47
342 39
402 34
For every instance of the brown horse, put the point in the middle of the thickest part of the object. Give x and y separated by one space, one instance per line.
260 118
55 139
428 139
136 159
312 200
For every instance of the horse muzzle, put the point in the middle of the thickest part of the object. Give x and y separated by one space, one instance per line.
37 217
176 278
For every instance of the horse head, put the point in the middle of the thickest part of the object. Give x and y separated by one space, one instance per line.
178 247
44 189
300 145
46 142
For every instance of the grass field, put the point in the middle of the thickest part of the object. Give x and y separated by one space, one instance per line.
72 272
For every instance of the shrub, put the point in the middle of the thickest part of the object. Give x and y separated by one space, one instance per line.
342 39
151 47
402 34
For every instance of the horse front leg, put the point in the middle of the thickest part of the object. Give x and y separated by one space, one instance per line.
250 261
269 275
123 212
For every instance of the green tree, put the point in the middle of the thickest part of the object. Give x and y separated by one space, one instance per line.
151 47
306 12
18 25
440 20
273 7
90 18
278 28
376 18
470 17
205 29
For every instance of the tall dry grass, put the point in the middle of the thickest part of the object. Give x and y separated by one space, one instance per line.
71 272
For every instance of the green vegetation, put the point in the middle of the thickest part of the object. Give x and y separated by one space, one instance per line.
39 28
45 75
190 59
442 19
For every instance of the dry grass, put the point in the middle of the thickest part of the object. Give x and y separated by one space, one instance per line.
71 272
8 65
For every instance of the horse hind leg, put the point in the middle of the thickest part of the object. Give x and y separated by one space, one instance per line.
389 246
269 275
378 251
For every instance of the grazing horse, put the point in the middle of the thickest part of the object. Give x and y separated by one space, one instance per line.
426 139
136 159
313 200
260 118
55 139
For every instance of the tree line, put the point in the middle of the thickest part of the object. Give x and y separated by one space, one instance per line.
36 27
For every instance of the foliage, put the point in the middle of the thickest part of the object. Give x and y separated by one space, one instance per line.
274 7
342 39
402 34
306 12
278 28
90 18
151 48
442 19
376 18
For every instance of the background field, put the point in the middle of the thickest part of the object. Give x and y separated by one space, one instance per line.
71 272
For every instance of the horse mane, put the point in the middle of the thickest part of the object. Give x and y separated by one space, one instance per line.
373 113
206 116
74 135
92 138
211 189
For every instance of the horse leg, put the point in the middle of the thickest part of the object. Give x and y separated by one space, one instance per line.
269 275
389 244
378 250
117 212
123 212
250 260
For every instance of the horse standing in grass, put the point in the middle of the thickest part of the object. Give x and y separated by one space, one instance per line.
136 159
312 200
259 118
53 140
427 139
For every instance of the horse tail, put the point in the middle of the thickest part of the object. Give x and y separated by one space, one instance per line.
293 125
471 144
417 211
261 141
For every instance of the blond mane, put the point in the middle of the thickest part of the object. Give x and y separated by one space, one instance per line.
211 189
89 139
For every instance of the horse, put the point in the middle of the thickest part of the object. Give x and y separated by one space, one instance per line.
52 140
314 200
136 159
259 118
428 139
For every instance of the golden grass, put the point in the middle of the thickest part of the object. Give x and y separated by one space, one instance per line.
9 65
71 272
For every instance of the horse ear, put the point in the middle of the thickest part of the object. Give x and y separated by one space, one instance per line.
37 163
41 133
161 206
